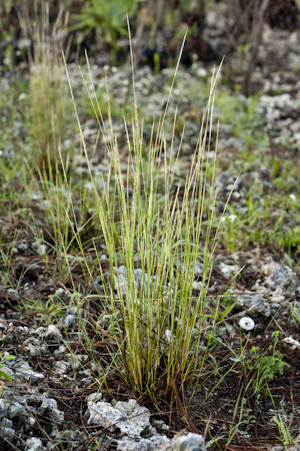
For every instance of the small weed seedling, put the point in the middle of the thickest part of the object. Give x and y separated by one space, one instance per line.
264 367
3 373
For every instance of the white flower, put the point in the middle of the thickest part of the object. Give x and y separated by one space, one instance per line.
168 335
231 217
293 197
22 96
247 323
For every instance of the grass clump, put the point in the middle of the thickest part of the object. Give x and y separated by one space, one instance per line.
156 320
47 100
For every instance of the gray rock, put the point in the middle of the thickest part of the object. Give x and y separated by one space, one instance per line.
71 317
34 444
199 268
53 332
280 278
11 409
24 410
6 429
44 406
189 442
256 303
24 370
35 347
145 444
140 278
225 179
228 270
129 417
61 367
286 448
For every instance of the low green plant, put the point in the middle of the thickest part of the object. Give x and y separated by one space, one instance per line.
284 423
261 368
156 62
276 165
243 116
294 311
3 373
242 51
46 312
7 250
238 419
224 306
109 106
107 18
230 229
249 420
284 430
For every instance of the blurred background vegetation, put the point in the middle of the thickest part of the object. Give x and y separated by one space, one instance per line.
157 28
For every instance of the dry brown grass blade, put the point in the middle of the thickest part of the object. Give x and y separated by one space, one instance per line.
183 410
103 331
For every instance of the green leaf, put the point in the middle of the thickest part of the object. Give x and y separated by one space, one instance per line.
5 376
9 357
227 311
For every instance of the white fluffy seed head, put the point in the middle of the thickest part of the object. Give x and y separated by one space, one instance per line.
247 323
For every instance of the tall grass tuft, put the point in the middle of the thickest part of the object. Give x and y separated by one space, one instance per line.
48 93
155 319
